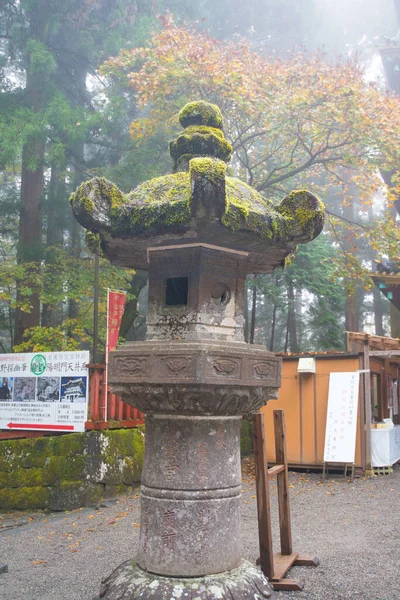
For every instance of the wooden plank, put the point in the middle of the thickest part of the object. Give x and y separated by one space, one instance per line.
367 410
375 342
272 471
306 561
12 434
94 386
288 585
282 564
100 425
119 408
111 404
262 490
283 483
384 353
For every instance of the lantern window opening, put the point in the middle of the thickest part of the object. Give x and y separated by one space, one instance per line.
176 291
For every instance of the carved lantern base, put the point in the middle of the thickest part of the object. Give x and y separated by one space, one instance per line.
194 394
129 581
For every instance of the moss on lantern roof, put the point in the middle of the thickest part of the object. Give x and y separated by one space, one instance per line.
200 112
200 140
192 201
157 204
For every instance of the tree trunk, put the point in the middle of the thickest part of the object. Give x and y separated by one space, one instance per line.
51 317
273 324
292 331
78 154
253 313
285 349
29 249
394 321
351 308
351 312
378 311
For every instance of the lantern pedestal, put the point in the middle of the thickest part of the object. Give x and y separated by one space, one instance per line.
129 581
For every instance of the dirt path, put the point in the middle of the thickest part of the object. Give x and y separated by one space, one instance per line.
353 528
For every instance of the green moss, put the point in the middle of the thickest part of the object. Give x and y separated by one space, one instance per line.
81 199
123 454
21 477
246 210
246 438
299 214
201 113
210 168
201 141
24 498
24 453
73 443
76 467
93 242
54 470
99 189
60 480
204 130
156 204
302 208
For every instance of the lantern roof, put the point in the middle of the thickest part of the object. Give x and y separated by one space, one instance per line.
197 204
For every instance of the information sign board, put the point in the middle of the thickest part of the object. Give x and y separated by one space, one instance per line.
341 420
44 391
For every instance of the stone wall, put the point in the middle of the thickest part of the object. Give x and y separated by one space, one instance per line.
246 438
69 471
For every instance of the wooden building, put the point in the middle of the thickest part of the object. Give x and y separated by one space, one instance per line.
304 398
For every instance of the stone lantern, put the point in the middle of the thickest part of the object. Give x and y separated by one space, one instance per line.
199 233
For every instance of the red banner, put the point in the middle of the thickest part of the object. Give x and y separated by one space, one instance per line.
116 306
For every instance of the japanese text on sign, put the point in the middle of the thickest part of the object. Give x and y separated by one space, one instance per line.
45 391
341 420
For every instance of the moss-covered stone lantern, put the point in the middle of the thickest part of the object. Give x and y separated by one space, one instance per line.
199 233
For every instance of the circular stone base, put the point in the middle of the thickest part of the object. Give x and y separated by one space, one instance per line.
129 582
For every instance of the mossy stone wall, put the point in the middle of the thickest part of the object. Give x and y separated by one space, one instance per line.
69 471
246 438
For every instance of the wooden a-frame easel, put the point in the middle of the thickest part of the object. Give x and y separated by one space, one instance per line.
275 566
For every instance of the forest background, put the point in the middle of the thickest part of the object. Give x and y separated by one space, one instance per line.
310 93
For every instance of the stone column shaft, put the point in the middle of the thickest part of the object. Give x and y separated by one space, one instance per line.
191 495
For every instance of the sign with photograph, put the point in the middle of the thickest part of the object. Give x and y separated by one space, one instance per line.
341 420
44 391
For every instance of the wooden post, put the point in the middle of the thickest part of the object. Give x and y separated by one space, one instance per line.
263 504
368 410
96 307
282 482
275 566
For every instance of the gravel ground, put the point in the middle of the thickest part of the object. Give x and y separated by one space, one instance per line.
353 529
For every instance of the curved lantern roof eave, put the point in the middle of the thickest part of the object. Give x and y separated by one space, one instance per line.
197 204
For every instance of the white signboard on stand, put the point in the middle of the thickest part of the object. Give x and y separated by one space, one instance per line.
341 420
44 391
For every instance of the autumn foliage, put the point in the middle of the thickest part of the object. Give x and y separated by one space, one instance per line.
294 122
288 119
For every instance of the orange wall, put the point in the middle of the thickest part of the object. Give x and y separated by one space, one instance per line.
305 417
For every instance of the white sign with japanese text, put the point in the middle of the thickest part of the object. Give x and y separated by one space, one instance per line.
341 420
44 391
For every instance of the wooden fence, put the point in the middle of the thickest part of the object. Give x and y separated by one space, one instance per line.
113 414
